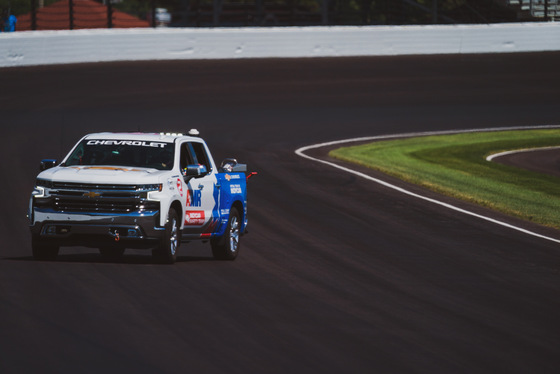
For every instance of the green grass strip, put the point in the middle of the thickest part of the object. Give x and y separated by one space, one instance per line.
455 165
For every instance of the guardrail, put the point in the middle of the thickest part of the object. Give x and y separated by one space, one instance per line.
60 47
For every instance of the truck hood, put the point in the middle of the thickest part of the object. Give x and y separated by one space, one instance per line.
102 174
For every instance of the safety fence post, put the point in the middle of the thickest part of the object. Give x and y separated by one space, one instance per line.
33 14
109 14
71 13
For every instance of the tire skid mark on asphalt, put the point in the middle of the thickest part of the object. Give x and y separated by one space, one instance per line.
301 152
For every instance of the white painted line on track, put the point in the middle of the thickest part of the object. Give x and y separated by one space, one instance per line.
496 155
300 152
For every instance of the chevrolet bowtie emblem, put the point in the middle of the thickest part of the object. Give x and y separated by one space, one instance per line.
92 194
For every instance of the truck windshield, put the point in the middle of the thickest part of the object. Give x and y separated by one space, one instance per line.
134 153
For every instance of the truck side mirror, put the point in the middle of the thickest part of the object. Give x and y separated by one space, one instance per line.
230 165
227 165
195 171
47 164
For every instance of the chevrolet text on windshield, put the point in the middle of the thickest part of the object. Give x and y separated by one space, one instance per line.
126 142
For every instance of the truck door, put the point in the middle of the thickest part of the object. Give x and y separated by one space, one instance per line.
202 195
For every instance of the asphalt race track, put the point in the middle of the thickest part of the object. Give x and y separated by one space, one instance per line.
337 274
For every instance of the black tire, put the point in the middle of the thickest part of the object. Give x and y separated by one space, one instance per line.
111 254
226 247
166 252
43 250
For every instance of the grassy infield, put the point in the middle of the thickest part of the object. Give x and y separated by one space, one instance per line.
456 165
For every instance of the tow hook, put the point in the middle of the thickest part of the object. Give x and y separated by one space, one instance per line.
115 234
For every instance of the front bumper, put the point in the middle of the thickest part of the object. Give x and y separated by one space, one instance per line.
132 230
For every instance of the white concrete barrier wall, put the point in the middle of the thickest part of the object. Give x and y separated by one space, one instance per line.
60 47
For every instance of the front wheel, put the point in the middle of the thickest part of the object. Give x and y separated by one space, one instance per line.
166 252
226 247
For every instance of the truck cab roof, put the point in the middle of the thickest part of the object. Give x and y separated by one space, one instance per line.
152 137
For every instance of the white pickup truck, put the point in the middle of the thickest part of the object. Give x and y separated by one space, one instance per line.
135 190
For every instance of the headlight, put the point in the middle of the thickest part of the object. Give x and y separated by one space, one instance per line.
149 187
38 192
146 190
43 183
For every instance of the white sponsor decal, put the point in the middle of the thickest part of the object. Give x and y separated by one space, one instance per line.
137 143
235 188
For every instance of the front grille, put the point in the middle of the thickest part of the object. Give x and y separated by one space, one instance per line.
119 199
91 186
97 205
